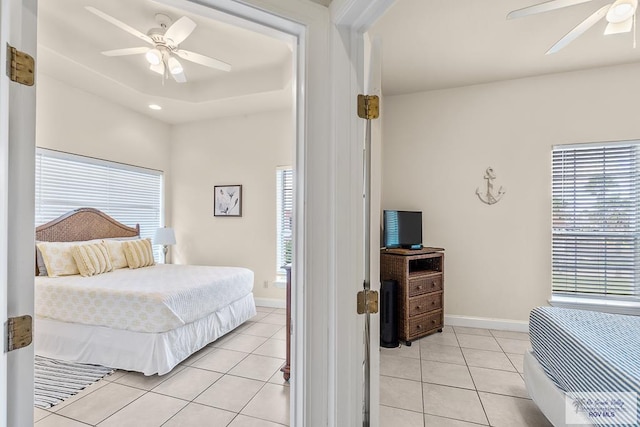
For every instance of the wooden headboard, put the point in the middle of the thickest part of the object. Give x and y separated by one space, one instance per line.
83 224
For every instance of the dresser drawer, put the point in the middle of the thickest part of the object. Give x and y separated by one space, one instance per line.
425 303
423 284
421 325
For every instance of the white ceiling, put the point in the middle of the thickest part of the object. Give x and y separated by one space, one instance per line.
436 44
70 40
427 45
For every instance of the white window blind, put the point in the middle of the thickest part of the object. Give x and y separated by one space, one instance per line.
130 194
595 221
284 217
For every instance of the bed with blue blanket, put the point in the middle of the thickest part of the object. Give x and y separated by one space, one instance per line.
586 361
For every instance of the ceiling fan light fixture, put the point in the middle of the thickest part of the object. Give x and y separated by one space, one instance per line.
619 28
153 56
174 66
621 11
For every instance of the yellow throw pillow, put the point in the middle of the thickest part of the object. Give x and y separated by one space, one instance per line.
92 259
139 253
58 258
116 253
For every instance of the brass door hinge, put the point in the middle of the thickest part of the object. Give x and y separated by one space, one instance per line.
20 66
367 302
368 107
19 332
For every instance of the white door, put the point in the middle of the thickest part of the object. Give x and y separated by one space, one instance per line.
17 154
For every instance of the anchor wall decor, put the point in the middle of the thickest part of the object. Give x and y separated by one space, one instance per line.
489 197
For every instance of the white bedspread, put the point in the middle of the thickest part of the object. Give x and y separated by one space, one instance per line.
149 299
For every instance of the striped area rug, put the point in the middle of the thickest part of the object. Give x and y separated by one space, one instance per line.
56 380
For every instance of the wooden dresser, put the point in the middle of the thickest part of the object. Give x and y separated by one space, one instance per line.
420 300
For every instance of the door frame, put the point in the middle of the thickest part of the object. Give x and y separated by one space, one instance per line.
17 115
350 62
4 187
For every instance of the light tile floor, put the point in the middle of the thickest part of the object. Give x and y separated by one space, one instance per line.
233 382
462 377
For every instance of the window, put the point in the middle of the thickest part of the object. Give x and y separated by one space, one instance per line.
284 218
130 194
596 195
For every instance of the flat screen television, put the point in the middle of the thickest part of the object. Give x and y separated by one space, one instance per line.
402 229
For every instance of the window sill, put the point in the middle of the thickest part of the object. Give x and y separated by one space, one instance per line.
595 304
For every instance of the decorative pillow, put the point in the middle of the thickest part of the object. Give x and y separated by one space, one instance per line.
116 253
139 253
91 259
58 259
42 268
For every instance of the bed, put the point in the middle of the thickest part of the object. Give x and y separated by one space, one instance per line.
581 359
145 319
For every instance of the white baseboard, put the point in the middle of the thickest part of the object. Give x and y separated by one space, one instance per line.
270 302
486 323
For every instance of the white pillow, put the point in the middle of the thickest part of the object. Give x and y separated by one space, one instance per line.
91 259
116 252
139 253
58 258
42 269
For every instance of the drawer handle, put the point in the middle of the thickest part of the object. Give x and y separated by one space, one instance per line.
419 287
418 307
433 322
433 284
433 302
418 326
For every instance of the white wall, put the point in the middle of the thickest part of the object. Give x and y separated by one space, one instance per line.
75 121
237 150
438 144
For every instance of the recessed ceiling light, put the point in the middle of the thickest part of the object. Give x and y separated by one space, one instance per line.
155 107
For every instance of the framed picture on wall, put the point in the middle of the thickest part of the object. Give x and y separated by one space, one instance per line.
227 200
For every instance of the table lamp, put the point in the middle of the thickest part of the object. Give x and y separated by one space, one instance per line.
165 236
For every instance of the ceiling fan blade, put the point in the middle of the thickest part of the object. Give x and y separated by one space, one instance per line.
203 60
159 68
619 27
180 77
544 7
180 30
120 24
579 29
126 51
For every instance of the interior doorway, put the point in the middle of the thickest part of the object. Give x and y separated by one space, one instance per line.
176 195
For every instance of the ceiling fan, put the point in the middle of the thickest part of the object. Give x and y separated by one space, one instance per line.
620 15
164 50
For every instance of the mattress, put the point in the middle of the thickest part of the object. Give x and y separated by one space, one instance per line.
590 355
150 299
550 399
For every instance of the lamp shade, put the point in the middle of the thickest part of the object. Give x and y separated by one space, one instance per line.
164 236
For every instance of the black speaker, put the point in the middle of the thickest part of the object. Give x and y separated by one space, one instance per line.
388 314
